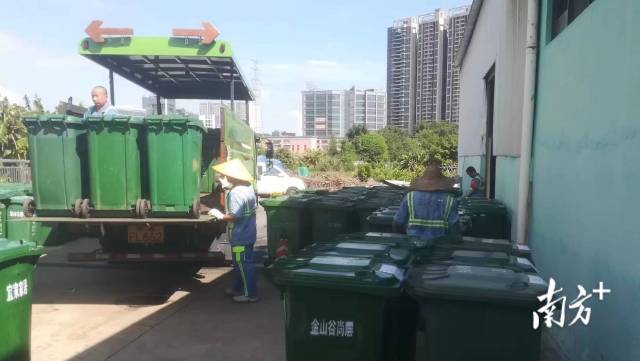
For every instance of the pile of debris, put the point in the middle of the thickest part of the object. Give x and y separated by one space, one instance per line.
333 181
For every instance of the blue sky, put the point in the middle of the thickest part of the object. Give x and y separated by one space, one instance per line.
328 44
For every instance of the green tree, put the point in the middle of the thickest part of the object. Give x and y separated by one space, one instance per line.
285 156
372 148
438 141
348 156
399 143
333 147
13 134
356 131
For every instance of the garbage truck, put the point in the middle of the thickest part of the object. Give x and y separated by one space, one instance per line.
142 180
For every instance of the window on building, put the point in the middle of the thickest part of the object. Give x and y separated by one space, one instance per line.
563 12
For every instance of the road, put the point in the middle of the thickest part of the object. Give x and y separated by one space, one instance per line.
96 311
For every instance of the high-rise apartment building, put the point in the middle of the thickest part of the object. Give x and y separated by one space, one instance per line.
422 82
365 107
149 104
331 113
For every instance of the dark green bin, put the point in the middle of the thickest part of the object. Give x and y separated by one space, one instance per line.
115 172
332 216
58 154
174 159
478 313
345 308
288 218
17 262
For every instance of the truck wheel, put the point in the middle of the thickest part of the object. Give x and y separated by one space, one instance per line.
145 208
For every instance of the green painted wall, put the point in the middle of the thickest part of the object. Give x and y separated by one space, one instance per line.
586 167
507 174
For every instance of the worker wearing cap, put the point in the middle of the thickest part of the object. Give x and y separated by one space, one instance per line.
476 186
240 215
430 210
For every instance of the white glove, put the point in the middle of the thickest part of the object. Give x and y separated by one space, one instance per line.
216 214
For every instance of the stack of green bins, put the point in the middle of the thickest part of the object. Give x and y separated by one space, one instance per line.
451 244
332 216
115 175
210 155
488 217
17 262
382 219
174 158
19 229
288 218
345 308
58 153
482 313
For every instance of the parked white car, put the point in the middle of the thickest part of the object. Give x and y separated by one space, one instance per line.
274 181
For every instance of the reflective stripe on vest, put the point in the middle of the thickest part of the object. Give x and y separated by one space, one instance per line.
430 223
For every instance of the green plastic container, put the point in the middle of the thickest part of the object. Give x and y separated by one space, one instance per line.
475 258
399 256
115 175
381 221
174 159
489 218
345 308
479 312
58 153
332 217
17 262
483 244
288 218
18 229
210 155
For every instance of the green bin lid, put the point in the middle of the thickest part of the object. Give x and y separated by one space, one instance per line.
501 259
176 119
6 193
19 200
53 118
331 203
476 284
297 201
348 274
116 119
10 250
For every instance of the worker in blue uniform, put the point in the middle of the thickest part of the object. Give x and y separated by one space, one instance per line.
240 215
430 210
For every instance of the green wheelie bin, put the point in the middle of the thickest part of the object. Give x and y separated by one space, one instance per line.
174 158
17 262
20 229
483 244
399 256
58 153
115 175
477 313
332 216
288 222
345 308
489 218
475 258
382 219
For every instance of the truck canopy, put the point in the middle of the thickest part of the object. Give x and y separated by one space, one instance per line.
173 68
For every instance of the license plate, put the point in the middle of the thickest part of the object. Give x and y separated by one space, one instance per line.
141 233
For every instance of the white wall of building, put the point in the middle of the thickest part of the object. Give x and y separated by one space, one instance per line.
498 38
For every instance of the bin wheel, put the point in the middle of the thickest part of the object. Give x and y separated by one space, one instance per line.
195 208
85 208
76 207
144 208
28 207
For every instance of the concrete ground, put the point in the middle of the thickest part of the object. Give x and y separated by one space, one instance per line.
123 312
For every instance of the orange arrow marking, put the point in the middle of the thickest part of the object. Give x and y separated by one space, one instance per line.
207 34
96 33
